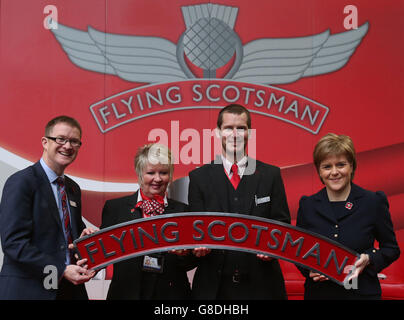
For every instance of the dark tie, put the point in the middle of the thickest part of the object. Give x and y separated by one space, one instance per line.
66 218
235 178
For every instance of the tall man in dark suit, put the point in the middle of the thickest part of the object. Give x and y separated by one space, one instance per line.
238 184
40 216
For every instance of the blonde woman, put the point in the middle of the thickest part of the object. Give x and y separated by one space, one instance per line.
150 277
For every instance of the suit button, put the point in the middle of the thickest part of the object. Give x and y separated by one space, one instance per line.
336 226
335 235
374 250
62 247
235 199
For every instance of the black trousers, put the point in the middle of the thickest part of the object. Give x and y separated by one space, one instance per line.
69 291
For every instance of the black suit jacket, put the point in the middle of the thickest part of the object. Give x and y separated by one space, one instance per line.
208 192
32 235
368 220
129 281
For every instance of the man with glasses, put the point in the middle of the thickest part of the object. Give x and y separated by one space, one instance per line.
40 216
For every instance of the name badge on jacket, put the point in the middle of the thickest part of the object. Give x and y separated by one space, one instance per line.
153 263
262 200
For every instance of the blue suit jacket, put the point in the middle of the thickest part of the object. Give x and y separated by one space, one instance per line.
368 220
32 235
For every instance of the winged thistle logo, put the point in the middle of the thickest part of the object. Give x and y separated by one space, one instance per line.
209 43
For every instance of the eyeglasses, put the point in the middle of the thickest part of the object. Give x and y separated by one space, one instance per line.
76 143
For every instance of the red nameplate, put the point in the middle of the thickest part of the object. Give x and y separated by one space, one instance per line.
217 231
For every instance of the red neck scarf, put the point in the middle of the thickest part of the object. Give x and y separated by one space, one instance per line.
151 206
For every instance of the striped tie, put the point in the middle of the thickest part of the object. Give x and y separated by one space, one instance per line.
65 210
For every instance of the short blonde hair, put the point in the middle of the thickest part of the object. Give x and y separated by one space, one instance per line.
153 153
334 145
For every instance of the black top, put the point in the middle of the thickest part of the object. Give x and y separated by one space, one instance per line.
356 223
211 191
130 280
339 209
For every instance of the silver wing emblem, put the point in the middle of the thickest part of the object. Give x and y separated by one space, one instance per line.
132 58
209 42
280 61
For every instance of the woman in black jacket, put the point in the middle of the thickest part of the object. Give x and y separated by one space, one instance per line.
350 215
158 276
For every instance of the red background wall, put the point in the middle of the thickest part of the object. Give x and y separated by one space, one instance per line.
365 99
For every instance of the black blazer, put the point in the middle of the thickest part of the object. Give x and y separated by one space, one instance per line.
208 192
32 234
129 281
368 220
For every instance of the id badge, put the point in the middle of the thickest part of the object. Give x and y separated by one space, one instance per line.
153 263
